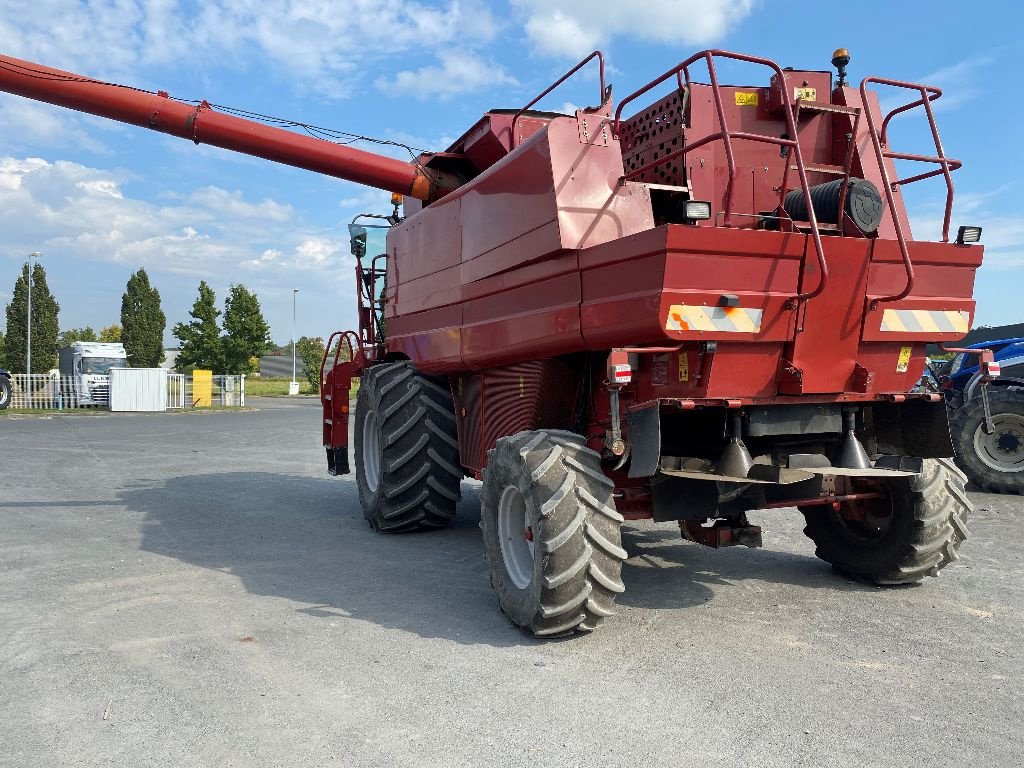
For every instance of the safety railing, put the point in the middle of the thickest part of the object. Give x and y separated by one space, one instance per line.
603 96
682 74
947 165
45 392
336 341
176 391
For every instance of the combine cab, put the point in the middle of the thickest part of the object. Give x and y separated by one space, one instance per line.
702 301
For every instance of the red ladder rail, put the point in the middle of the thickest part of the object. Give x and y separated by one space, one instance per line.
726 136
947 165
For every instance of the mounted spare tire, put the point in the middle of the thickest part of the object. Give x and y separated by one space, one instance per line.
406 449
992 462
551 533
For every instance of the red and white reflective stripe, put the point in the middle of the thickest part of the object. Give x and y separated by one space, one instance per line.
622 374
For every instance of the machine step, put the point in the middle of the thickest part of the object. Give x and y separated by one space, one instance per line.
836 170
818 107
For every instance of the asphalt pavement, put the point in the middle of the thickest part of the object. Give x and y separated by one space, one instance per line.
194 590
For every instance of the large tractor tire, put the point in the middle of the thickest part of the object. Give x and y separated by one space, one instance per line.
993 462
913 532
406 450
5 392
551 533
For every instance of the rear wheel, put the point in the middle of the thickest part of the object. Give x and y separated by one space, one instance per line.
993 462
5 392
912 531
406 450
551 533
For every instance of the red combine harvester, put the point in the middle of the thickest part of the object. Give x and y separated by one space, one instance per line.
682 310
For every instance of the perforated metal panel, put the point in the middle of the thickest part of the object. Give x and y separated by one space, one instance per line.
652 134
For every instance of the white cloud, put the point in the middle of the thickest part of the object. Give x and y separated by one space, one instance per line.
960 83
85 215
460 72
319 45
1002 234
565 28
25 123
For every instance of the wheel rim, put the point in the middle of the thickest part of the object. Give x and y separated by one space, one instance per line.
1003 450
515 535
371 452
866 519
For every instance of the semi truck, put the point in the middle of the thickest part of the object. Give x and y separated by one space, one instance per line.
85 371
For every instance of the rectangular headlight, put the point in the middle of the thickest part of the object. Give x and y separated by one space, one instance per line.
698 210
966 235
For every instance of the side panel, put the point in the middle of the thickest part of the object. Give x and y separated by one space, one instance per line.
503 401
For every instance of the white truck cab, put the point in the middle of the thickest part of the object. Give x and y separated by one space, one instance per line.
88 364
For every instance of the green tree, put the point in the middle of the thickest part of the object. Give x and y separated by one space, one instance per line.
1 348
45 311
72 335
246 333
310 350
110 334
200 338
142 322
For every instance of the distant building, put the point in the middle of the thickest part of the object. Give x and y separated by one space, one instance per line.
279 366
170 358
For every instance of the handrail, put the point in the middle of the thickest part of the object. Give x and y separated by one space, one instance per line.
726 136
346 336
946 166
562 79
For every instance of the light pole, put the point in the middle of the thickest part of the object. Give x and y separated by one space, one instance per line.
294 389
28 344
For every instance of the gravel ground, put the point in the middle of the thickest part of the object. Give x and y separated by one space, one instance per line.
194 590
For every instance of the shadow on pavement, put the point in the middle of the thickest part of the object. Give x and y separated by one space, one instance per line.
664 571
304 539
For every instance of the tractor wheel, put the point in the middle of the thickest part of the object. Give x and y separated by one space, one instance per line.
993 462
406 450
5 392
913 531
551 533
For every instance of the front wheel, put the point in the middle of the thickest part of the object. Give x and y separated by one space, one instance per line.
912 531
406 450
551 533
5 392
993 462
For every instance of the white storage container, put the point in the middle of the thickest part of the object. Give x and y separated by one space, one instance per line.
138 389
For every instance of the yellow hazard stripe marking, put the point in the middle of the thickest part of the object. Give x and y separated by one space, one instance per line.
930 321
690 317
925 320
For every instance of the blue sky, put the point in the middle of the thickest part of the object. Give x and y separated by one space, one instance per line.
100 199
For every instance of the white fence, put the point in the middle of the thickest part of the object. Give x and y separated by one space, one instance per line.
225 391
41 391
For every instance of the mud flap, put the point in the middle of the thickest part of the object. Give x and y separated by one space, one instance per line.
644 434
337 460
914 428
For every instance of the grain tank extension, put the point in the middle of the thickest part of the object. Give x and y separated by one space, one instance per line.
701 301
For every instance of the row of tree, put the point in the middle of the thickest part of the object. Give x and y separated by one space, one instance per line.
245 337
141 330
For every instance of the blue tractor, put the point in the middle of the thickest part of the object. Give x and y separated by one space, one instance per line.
986 402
